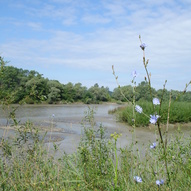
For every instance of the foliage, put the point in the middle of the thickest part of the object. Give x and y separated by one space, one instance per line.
31 87
94 154
142 93
26 164
180 113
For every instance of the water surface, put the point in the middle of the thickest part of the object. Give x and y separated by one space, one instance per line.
64 124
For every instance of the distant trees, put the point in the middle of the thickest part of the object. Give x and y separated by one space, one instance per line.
99 93
36 88
54 91
127 91
31 87
142 92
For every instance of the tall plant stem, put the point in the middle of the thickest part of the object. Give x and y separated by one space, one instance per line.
116 165
148 76
116 78
165 145
166 132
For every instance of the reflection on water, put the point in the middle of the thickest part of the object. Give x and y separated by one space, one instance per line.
67 119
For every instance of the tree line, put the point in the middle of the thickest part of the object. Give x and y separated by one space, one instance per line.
30 87
142 93
19 85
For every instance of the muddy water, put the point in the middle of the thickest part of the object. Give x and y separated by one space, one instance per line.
63 123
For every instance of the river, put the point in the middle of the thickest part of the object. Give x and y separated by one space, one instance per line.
63 123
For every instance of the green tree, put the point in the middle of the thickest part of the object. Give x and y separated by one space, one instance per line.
68 92
99 94
55 91
144 91
79 91
165 93
36 89
127 91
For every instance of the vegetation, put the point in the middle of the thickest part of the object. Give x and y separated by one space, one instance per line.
142 93
26 164
180 113
31 87
24 86
98 164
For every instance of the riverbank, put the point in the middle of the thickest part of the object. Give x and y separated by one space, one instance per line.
68 103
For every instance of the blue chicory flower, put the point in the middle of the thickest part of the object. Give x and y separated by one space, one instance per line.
53 115
153 118
137 179
153 145
134 73
159 182
143 46
156 101
138 109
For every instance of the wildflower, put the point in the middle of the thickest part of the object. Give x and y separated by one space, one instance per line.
134 73
137 179
156 101
153 118
138 109
53 115
153 145
143 46
159 182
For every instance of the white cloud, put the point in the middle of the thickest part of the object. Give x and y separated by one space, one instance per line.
95 19
35 26
164 26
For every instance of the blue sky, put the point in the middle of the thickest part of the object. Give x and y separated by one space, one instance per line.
79 40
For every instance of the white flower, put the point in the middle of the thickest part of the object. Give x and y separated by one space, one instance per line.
156 101
137 179
138 109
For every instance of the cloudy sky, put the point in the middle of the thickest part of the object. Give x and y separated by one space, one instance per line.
79 40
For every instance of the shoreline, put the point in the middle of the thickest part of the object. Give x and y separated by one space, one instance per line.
40 128
63 104
52 134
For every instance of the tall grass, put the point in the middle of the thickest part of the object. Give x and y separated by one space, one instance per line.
26 164
180 113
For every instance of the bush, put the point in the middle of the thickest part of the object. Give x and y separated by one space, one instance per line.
179 113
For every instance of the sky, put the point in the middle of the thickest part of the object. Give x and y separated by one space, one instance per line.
79 40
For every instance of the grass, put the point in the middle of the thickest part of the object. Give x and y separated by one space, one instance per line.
27 165
180 113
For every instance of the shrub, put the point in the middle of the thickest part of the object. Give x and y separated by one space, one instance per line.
179 113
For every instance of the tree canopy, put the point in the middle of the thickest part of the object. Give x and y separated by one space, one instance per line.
31 87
